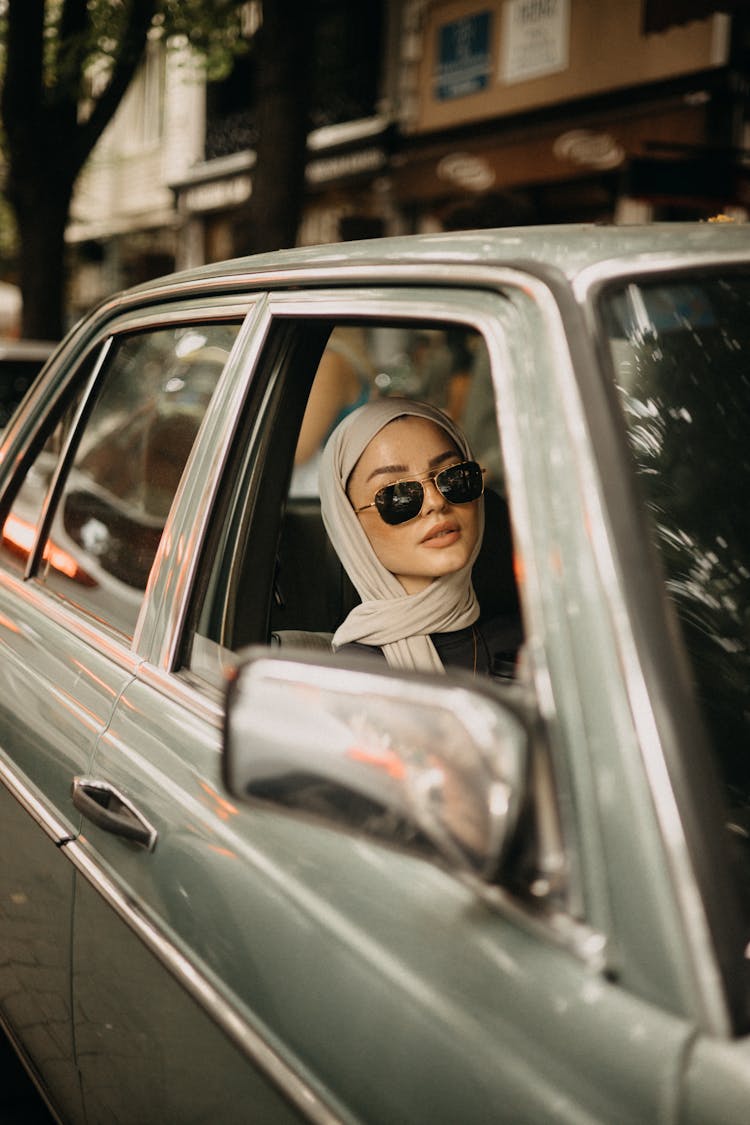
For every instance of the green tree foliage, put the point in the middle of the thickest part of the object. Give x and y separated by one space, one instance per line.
66 65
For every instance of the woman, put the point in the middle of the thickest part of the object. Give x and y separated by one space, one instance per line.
402 502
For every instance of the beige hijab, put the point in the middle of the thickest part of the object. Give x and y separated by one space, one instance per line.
388 617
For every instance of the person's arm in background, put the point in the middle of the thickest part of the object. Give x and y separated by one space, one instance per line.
335 386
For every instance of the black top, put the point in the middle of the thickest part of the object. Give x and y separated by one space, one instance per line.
489 647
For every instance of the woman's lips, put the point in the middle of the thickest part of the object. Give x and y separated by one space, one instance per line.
443 535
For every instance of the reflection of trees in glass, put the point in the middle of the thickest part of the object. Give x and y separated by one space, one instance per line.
687 401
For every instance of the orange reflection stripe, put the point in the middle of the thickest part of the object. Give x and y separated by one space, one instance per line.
20 534
519 571
224 809
61 561
385 761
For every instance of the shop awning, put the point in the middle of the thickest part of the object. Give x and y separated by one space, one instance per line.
443 169
658 15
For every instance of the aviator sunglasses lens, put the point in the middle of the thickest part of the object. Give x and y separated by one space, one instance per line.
459 484
400 502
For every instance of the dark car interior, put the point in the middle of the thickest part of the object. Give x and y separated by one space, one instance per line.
307 613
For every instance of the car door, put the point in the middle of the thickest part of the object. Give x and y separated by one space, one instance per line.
364 984
59 678
147 1043
100 455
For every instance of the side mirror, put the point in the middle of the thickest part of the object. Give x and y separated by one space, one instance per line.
395 756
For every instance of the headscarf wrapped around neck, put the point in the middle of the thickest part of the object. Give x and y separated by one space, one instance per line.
388 617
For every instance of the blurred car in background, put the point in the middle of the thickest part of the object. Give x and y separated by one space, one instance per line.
243 878
20 363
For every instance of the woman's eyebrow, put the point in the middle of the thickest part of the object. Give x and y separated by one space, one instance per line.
391 469
387 469
443 457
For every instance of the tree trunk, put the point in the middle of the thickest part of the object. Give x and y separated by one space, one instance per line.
46 141
282 98
42 218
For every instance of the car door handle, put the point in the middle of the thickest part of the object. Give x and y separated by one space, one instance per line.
104 806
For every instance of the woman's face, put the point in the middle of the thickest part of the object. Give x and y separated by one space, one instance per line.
441 538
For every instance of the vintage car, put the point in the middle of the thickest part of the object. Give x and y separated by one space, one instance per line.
245 878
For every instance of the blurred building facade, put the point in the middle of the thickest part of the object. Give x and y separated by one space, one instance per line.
446 114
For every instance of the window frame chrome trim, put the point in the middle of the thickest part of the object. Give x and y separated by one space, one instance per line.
321 304
181 574
52 496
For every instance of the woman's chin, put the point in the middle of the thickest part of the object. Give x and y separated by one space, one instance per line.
415 583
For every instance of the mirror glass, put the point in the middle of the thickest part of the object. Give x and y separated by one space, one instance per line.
404 758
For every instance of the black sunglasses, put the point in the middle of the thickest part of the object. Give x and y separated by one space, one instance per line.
403 500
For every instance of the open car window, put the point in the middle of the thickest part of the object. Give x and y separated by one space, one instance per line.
283 584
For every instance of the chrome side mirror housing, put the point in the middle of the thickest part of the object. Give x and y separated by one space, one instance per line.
397 757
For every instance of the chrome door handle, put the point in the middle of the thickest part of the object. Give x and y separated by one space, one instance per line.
104 806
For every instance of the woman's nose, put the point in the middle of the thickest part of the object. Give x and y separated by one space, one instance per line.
434 500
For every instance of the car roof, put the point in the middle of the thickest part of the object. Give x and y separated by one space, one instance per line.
569 249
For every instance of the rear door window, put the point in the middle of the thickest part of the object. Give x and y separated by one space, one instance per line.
89 516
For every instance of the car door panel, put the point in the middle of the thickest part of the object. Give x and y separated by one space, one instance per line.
177 1062
344 954
57 690
56 696
146 1050
717 1083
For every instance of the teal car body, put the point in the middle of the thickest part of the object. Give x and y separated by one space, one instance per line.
175 947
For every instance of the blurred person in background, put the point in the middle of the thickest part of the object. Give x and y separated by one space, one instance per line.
343 382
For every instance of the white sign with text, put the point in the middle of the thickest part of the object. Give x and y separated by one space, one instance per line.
535 36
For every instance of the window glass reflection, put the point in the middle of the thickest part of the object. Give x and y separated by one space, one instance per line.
680 352
128 464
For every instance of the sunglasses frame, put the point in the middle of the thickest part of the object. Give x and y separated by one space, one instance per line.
423 480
